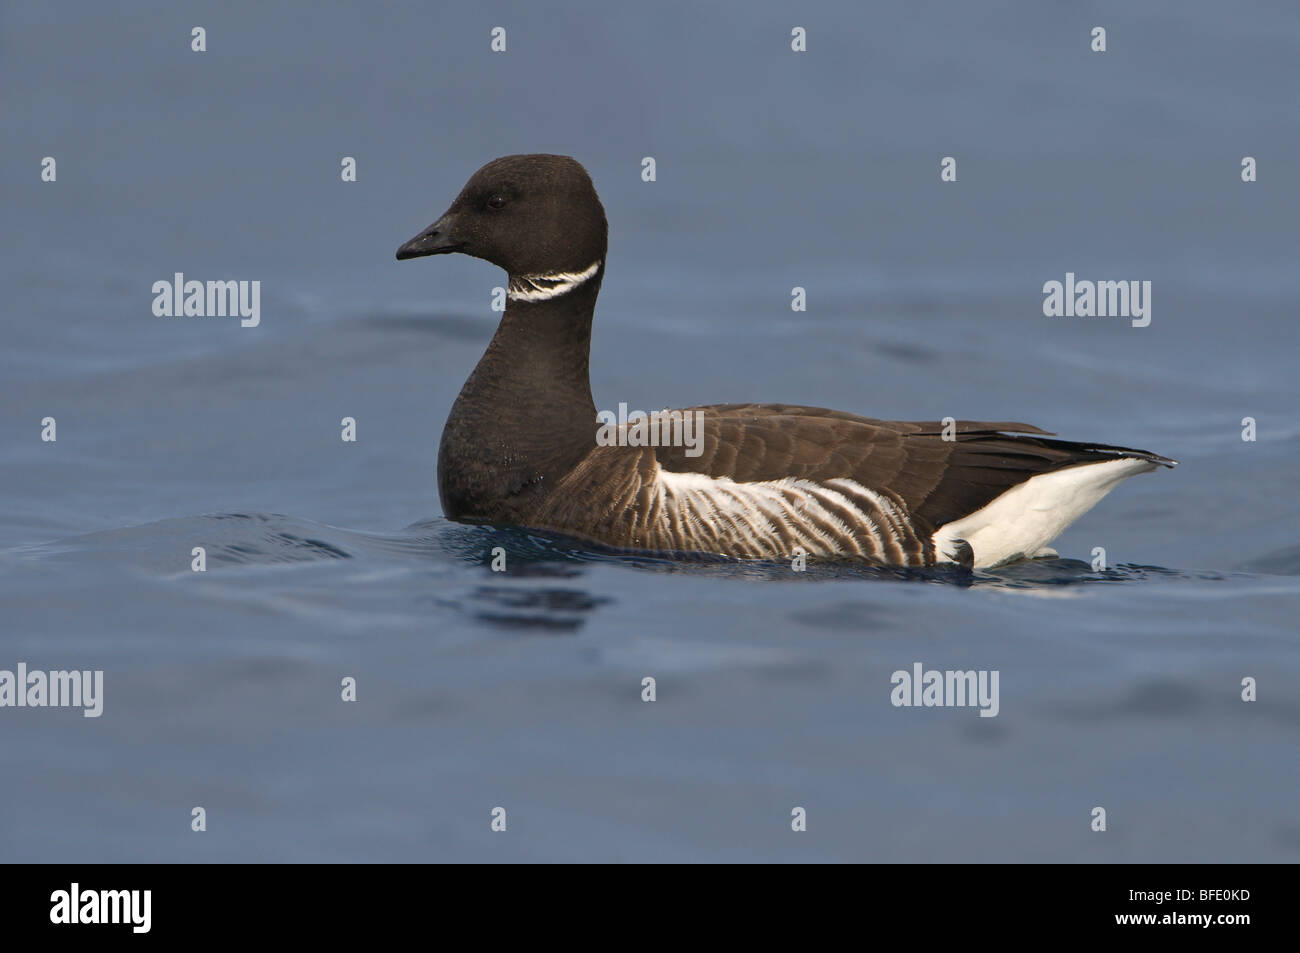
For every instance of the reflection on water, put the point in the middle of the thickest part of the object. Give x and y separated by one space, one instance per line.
523 596
265 539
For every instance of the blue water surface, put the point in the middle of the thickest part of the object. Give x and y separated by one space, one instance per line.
1121 687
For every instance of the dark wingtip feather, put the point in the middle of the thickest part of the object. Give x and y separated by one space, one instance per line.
1140 455
1163 461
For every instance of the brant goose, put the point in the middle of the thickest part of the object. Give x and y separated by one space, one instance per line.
520 447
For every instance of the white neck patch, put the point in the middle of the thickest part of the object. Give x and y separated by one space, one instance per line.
546 287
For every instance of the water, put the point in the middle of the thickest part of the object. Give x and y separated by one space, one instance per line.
1120 687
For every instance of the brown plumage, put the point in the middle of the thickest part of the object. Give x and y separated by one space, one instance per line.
520 446
608 496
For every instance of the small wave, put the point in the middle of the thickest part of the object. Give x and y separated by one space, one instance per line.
242 540
537 553
1279 562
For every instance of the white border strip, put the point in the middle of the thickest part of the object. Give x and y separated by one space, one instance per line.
545 287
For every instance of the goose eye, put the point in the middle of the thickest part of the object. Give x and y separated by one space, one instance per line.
497 201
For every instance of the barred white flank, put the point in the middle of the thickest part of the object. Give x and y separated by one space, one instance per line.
842 518
769 519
